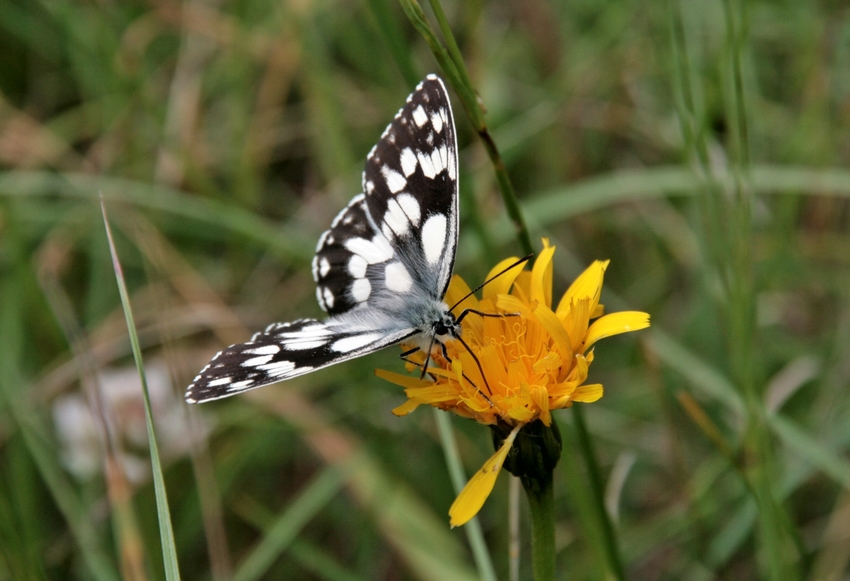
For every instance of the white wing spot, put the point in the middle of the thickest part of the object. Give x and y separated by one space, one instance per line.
375 251
256 361
317 328
410 207
328 297
452 163
439 158
434 237
395 218
397 278
241 384
437 122
370 186
219 382
419 116
388 232
302 345
278 368
263 350
361 289
322 239
324 266
357 266
427 165
355 342
321 299
408 161
395 181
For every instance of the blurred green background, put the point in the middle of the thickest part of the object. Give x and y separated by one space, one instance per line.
700 146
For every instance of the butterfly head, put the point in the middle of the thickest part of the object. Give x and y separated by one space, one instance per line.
446 327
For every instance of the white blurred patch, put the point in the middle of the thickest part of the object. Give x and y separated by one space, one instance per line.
79 438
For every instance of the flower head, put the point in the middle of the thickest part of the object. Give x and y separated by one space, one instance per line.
519 360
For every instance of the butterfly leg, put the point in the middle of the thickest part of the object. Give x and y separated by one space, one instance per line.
480 368
404 357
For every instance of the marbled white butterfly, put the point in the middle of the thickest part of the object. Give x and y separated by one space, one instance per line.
382 269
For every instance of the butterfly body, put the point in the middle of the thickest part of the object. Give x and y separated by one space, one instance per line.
382 268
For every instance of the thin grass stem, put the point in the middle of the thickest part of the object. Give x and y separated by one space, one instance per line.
453 66
474 534
166 531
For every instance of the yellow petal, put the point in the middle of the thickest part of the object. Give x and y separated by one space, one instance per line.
457 290
576 322
521 414
472 497
540 396
407 407
587 393
549 361
587 285
404 381
541 275
556 330
511 304
502 284
614 324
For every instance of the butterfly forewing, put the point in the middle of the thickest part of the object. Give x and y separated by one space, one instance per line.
410 184
382 268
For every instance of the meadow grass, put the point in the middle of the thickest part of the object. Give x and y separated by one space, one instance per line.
701 146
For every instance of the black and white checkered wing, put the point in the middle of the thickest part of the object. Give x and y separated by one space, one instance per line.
400 236
283 351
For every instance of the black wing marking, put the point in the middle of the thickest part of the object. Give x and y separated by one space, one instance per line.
284 351
411 186
343 255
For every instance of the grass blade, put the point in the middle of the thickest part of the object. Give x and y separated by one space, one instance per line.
166 531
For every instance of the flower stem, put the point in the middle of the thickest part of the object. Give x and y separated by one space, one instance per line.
541 501
612 551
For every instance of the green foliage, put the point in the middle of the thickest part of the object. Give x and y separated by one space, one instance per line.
700 146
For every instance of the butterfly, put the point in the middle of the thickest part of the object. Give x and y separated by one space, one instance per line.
382 268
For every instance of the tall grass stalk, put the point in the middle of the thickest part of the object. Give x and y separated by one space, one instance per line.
166 531
729 221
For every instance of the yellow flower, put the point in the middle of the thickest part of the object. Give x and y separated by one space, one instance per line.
522 363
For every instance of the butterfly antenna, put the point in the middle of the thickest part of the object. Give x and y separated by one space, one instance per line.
491 279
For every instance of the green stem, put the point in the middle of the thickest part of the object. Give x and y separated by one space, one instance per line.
615 563
541 502
474 534
451 62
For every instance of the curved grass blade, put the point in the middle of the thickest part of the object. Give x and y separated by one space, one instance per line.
166 531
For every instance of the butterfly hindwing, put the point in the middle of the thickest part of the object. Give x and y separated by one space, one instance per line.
284 351
343 256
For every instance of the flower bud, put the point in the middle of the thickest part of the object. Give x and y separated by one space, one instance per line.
535 452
